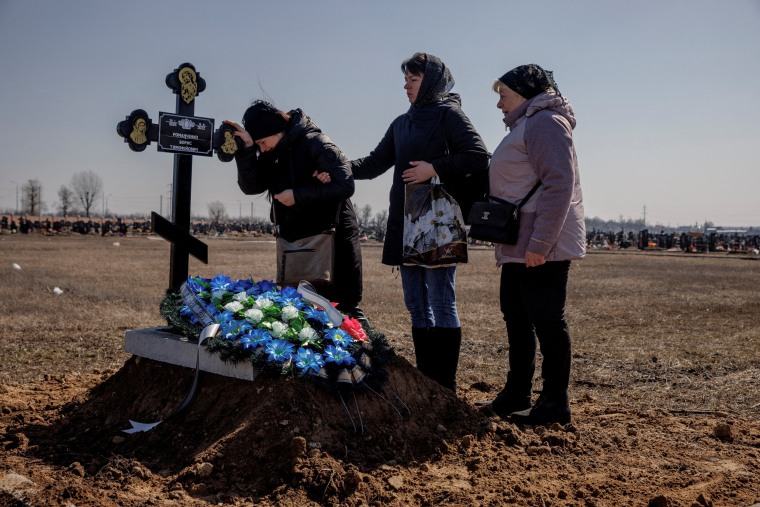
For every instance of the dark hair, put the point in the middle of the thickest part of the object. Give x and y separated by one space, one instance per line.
415 65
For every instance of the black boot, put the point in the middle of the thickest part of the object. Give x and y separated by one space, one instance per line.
422 350
547 410
445 345
553 405
513 398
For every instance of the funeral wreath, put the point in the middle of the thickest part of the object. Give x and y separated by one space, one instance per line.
277 330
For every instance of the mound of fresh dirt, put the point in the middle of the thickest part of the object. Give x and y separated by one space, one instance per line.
284 441
244 439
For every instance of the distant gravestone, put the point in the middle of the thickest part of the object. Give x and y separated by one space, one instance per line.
184 135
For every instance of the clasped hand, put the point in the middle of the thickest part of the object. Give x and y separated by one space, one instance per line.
419 172
287 197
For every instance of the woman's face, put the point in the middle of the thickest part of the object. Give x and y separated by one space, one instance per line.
412 84
509 100
269 143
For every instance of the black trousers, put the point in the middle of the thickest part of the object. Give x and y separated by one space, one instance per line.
346 288
533 304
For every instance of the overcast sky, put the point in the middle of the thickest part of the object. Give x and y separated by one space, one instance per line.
665 92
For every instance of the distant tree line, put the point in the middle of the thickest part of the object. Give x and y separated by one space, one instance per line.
81 195
76 198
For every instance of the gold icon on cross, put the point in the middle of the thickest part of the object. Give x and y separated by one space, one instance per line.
189 86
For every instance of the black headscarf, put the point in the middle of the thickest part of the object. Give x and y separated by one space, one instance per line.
530 80
436 82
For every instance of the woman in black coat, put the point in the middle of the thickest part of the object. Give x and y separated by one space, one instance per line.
283 154
434 137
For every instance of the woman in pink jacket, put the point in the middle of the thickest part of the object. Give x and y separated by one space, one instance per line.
538 148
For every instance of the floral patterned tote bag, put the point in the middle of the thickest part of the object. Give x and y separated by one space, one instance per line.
434 233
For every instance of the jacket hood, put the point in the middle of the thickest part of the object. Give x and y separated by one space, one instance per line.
299 125
556 103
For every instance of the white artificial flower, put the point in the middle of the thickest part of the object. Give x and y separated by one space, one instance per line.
254 315
234 306
263 302
279 329
308 335
218 294
289 312
240 296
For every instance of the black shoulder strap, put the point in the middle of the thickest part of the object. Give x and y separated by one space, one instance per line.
522 201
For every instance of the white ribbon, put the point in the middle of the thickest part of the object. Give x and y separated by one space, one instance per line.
208 332
192 302
309 294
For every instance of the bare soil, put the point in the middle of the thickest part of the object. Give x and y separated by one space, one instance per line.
665 392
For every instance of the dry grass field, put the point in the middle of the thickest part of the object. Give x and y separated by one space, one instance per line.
665 382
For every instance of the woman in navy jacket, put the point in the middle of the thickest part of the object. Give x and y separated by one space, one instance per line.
434 137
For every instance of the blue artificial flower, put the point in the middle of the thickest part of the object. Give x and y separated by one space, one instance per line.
253 341
241 286
338 355
220 282
224 316
231 329
290 296
193 283
267 286
309 360
188 314
339 337
259 337
279 350
311 313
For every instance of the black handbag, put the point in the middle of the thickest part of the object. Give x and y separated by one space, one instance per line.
497 221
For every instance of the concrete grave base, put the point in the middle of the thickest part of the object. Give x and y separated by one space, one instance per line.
159 344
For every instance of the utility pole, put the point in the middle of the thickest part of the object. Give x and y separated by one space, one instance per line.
15 210
170 207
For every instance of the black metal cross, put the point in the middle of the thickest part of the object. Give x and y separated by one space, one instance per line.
185 136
